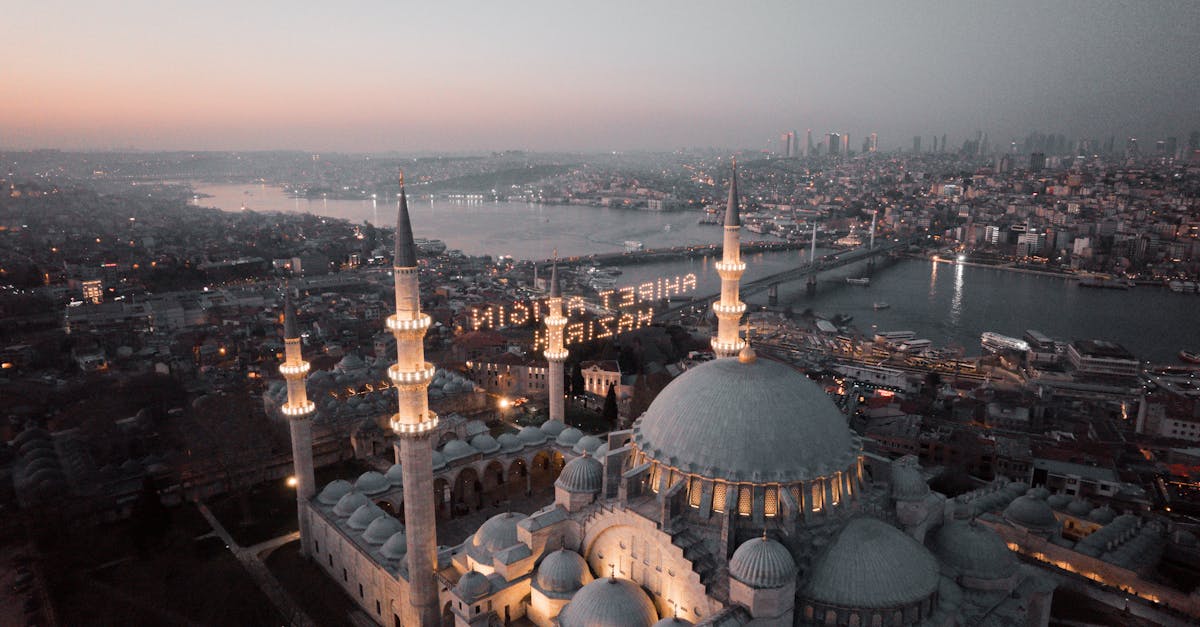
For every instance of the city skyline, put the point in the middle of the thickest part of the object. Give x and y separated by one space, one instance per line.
547 77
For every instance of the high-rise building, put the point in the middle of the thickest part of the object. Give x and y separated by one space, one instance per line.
785 145
1172 147
916 144
808 145
846 144
1131 147
874 142
943 148
1193 140
1037 161
729 309
832 141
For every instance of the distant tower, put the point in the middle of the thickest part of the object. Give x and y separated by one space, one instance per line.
555 353
808 146
299 411
874 142
832 141
414 423
729 309
846 144
916 144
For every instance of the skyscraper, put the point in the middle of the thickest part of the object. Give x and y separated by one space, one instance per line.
808 146
846 144
916 144
874 142
832 141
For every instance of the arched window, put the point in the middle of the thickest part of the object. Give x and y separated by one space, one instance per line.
719 497
655 474
771 505
695 486
745 500
818 496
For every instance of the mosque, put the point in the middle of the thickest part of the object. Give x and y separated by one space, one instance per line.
740 497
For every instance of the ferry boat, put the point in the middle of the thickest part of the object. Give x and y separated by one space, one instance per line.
995 343
431 247
1190 357
633 246
878 306
863 280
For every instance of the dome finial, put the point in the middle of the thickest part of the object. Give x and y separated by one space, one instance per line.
747 356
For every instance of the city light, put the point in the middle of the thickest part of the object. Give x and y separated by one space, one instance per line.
292 481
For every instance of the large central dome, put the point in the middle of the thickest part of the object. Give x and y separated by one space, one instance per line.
748 420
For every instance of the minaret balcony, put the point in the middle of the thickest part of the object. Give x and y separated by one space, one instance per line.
420 323
403 427
556 321
736 309
411 377
731 266
298 411
556 355
294 369
728 347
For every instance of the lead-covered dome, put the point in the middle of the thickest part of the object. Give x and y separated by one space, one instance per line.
763 563
582 474
746 421
498 532
562 572
609 603
968 548
871 564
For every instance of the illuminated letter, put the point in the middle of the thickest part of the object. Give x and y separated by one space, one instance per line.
573 333
575 303
625 323
521 319
645 292
605 325
626 297
645 318
477 322
604 298
669 286
689 282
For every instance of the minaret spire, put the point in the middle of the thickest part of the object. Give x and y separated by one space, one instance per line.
299 411
556 354
414 423
729 309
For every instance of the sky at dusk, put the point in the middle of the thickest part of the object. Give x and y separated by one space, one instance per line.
465 76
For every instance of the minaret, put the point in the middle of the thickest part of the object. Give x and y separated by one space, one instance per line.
729 309
299 411
414 423
555 353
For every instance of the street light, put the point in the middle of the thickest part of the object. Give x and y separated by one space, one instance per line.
292 481
504 403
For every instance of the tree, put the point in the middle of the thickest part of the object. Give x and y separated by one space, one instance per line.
610 406
577 384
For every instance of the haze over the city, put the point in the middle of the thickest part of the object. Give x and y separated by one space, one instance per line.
384 76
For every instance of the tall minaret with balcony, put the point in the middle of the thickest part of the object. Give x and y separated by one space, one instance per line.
414 424
729 309
555 353
298 410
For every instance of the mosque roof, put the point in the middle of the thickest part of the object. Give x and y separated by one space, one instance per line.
568 437
364 516
498 532
532 435
381 529
349 503
372 482
1032 513
587 443
582 474
763 563
609 602
757 420
871 564
395 475
562 572
333 491
485 443
553 427
395 547
970 549
473 585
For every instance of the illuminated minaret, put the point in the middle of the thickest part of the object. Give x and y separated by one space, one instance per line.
299 411
555 353
414 423
729 309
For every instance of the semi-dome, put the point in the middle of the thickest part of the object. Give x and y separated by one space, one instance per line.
472 585
498 532
457 449
1031 513
562 572
970 549
763 563
553 427
372 482
485 443
395 475
908 484
510 443
334 491
364 516
588 443
381 529
532 435
350 502
568 437
746 421
582 474
871 564
609 602
395 547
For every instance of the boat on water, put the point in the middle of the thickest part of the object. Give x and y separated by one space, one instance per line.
862 280
878 306
1101 282
994 342
1192 357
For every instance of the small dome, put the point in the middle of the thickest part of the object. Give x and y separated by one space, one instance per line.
395 475
970 549
395 547
1058 501
562 572
349 503
588 443
763 563
871 564
908 484
609 602
553 427
582 474
472 585
439 460
475 427
1079 507
381 529
334 490
1103 515
673 621
1031 513
1040 492
532 435
457 449
510 443
498 532
600 452
568 437
485 443
372 482
364 516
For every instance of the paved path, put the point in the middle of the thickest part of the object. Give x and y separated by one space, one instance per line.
258 570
